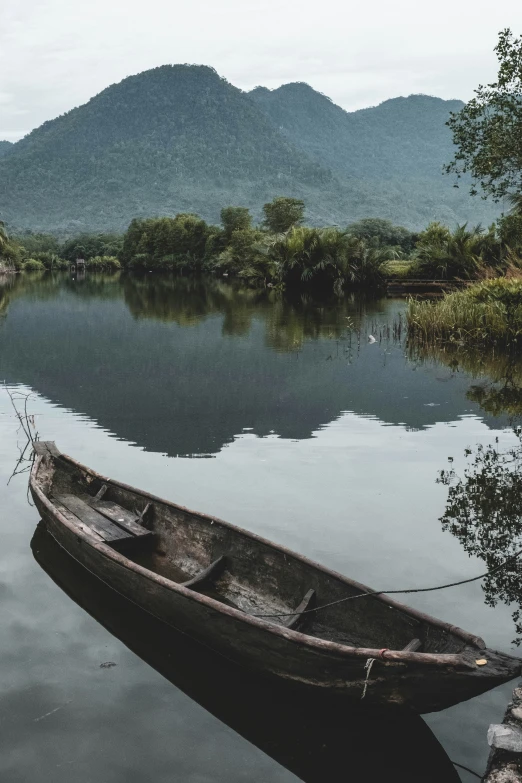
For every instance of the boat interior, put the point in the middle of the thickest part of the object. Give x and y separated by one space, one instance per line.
237 569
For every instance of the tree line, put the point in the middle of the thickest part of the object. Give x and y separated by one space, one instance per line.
282 251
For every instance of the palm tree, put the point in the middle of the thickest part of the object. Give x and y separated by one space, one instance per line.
451 255
515 199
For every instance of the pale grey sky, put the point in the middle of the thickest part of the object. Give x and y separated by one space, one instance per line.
56 54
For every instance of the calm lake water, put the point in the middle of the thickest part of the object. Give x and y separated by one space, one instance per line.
276 415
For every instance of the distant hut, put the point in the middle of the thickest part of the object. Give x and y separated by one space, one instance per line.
78 265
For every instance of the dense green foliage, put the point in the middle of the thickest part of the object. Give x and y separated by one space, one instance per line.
5 146
468 253
488 130
486 313
180 138
282 254
283 213
40 252
167 243
103 264
235 219
484 512
441 253
37 243
88 246
33 265
382 233
8 249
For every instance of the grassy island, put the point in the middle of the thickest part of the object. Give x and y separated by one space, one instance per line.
488 313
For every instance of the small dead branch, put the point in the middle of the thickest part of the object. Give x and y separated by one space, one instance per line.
27 425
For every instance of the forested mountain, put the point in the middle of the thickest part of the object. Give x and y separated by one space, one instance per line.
5 146
397 149
401 137
182 139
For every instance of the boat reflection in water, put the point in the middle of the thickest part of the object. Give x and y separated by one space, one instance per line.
316 741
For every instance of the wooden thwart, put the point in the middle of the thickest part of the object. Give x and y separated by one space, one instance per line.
76 521
214 570
92 519
122 517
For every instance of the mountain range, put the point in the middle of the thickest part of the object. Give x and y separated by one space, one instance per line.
182 139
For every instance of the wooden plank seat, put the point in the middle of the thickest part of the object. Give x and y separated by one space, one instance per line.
208 575
106 524
121 516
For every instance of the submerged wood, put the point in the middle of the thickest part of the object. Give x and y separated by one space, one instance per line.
317 739
236 575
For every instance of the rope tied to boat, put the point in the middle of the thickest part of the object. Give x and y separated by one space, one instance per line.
368 593
367 667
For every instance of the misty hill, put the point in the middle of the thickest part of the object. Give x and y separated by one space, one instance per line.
180 138
400 137
5 146
176 138
398 148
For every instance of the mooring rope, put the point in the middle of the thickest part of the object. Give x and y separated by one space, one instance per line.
466 769
396 592
367 667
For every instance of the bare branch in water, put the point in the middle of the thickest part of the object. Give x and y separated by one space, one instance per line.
26 423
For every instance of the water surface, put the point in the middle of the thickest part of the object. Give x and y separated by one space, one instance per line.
275 414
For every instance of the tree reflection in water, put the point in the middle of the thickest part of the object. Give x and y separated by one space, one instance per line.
484 505
498 390
484 512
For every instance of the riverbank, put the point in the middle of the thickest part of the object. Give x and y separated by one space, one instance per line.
285 253
505 760
485 314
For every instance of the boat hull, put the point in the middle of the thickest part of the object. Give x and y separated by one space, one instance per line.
287 656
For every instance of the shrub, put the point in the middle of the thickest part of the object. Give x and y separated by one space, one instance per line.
487 312
383 233
398 269
33 265
441 253
50 260
235 219
90 246
103 264
328 258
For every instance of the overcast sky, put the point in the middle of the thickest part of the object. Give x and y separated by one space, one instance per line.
56 54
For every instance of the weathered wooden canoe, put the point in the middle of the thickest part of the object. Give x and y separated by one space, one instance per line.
317 740
217 583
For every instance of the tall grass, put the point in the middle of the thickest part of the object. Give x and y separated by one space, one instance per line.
489 312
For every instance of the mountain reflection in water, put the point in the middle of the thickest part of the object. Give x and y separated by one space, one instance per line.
182 366
316 740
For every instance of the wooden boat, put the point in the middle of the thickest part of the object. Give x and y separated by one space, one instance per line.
316 739
250 599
